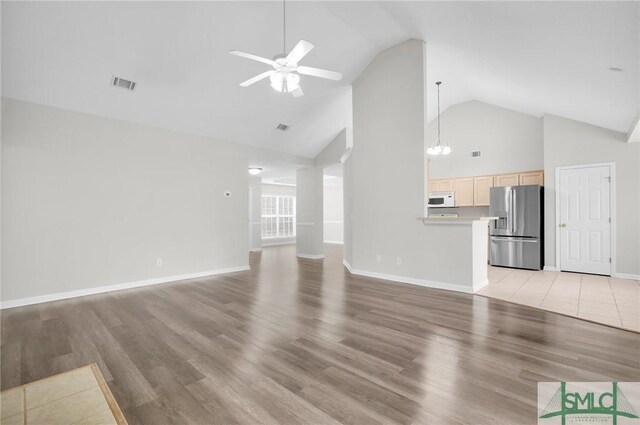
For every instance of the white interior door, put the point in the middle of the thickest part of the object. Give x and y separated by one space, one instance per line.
585 219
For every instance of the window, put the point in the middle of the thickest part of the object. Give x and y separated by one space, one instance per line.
278 216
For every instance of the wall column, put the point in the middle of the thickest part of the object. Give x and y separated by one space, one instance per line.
309 231
255 216
384 176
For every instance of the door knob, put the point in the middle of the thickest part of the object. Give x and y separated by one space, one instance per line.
563 225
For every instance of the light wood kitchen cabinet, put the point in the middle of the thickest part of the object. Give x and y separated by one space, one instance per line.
534 177
442 185
474 191
464 192
481 187
506 180
446 185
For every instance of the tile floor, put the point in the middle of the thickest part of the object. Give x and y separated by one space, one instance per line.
73 397
600 299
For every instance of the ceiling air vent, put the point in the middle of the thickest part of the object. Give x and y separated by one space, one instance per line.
282 127
123 84
475 154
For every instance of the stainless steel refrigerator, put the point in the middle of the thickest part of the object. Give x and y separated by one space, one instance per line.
516 237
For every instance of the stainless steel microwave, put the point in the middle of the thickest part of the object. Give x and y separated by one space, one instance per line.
441 200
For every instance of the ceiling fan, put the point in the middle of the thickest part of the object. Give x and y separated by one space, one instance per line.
285 75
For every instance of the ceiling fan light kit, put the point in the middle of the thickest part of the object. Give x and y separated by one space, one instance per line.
284 82
285 75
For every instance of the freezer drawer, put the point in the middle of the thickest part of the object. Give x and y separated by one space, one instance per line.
523 253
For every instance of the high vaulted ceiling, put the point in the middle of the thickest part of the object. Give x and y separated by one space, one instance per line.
533 57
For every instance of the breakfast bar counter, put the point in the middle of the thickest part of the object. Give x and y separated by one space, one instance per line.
457 250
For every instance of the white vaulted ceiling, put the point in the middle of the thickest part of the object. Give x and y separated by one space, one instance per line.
533 57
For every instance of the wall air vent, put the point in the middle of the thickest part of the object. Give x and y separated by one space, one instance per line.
282 127
475 154
123 84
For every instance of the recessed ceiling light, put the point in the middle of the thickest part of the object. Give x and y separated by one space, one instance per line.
613 68
254 171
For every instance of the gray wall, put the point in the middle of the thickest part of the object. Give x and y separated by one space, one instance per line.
347 205
89 201
568 142
386 167
384 184
278 189
510 141
309 222
255 187
332 153
333 210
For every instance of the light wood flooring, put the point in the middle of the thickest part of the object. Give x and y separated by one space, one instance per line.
304 342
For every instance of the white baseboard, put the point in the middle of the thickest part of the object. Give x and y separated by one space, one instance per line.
118 287
334 242
481 285
618 275
626 276
310 257
414 281
348 266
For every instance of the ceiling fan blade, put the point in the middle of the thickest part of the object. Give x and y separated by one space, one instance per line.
257 78
298 92
253 57
299 51
317 72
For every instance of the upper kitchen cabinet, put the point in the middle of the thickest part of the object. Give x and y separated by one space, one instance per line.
464 192
444 185
481 189
506 180
474 191
533 177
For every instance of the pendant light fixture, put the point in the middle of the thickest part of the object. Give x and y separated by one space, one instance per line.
438 149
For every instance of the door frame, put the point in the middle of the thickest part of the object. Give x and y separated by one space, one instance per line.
612 209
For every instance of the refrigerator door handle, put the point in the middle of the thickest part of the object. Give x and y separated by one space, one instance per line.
514 225
512 239
511 214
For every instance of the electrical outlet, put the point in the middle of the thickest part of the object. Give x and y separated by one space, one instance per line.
378 258
398 261
159 262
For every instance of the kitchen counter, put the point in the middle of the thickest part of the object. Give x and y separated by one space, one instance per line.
456 251
428 220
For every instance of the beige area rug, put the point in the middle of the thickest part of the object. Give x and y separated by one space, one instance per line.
79 396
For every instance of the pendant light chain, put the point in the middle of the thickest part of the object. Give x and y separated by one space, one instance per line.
284 27
437 149
438 83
